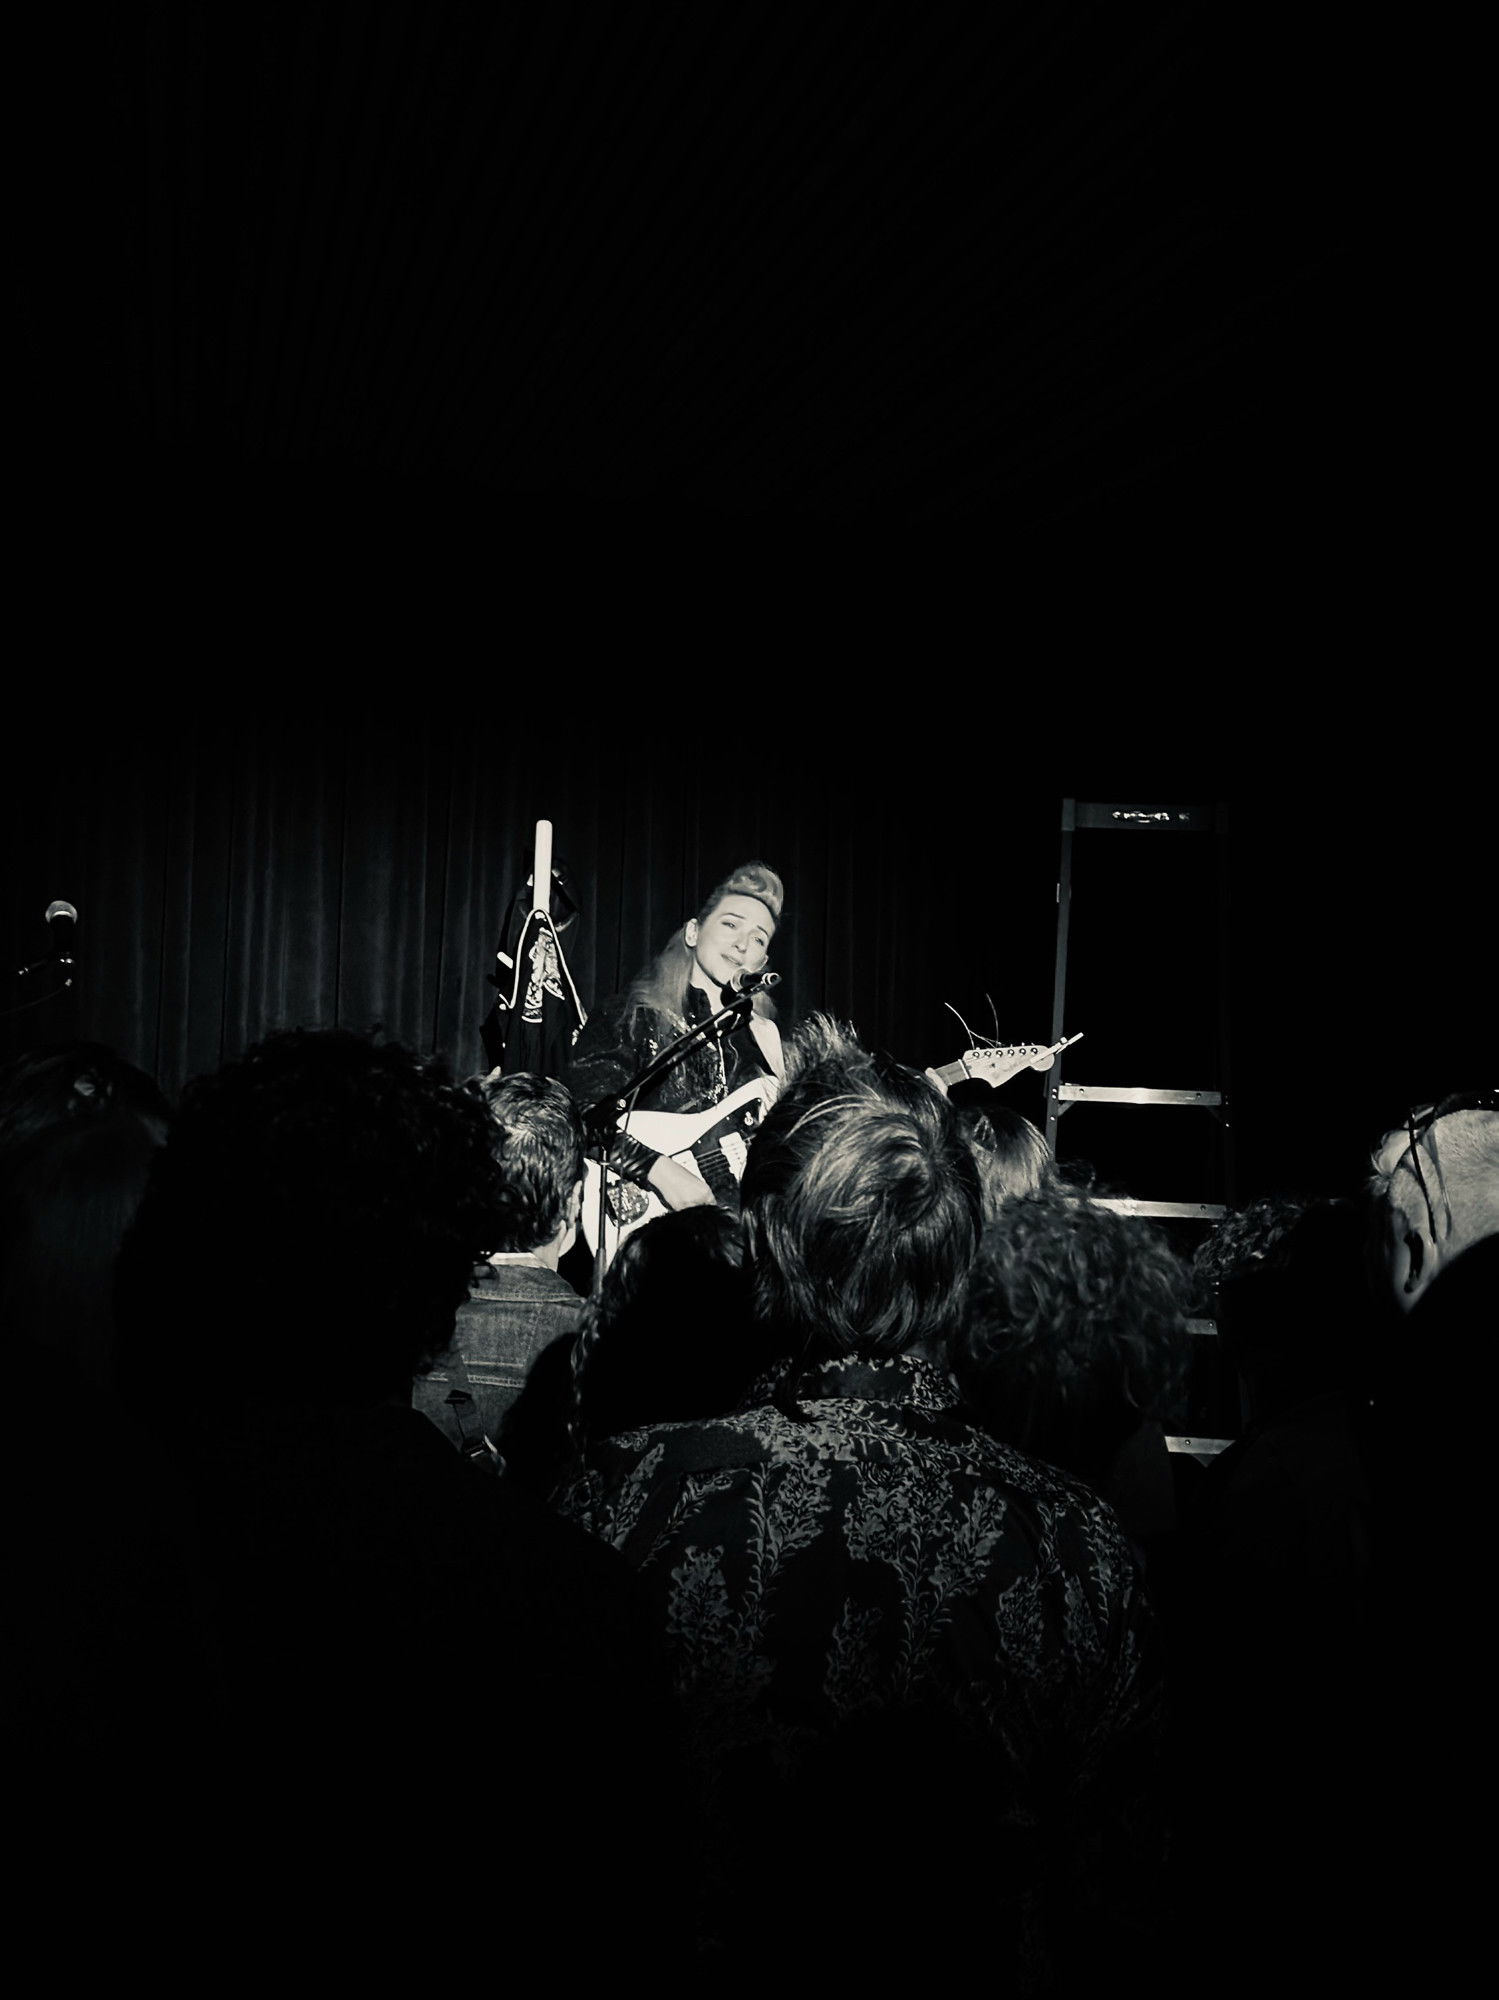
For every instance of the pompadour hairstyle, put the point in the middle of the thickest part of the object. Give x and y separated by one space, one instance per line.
750 878
860 1200
661 986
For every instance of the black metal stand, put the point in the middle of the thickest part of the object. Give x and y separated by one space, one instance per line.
64 964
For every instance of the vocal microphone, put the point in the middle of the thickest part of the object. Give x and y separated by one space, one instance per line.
60 919
752 982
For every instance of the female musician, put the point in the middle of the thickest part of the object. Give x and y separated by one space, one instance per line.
685 985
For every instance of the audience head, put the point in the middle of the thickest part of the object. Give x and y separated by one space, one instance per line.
536 1136
1434 1192
79 1128
668 1337
1075 1330
861 1202
1242 1237
74 1087
671 1335
310 1228
1011 1154
1296 1313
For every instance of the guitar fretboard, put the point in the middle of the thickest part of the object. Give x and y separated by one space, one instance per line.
720 1168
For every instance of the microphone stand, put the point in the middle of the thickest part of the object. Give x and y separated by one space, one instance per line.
602 1120
64 963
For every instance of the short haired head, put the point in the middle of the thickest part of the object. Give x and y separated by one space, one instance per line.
861 1202
1011 1153
1075 1329
1434 1190
671 1335
74 1087
310 1228
536 1136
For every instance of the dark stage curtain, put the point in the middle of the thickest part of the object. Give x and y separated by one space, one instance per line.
252 871
235 877
1110 273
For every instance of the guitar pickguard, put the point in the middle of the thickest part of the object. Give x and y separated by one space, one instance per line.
627 1203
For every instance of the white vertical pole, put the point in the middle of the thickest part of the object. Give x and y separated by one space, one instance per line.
541 870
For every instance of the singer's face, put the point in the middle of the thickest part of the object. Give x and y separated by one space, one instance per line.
733 938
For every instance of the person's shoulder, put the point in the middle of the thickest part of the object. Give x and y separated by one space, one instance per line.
687 1445
605 1018
535 1283
1060 1506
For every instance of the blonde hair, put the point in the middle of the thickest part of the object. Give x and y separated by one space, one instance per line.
661 986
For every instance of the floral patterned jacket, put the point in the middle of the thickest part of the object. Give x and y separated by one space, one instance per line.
877 1556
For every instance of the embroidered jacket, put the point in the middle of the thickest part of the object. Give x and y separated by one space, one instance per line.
879 1558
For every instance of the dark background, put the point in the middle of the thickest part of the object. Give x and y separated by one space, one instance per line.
837 434
519 303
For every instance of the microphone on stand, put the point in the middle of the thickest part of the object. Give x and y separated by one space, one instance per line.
61 920
752 982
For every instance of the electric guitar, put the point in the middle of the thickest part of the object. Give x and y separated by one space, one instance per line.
714 1144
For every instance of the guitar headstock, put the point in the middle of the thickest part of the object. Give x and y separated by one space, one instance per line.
997 1066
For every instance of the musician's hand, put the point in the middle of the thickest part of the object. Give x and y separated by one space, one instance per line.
678 1186
932 1077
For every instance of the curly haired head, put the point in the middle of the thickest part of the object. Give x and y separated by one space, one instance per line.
861 1201
1075 1330
310 1228
1298 1316
1244 1236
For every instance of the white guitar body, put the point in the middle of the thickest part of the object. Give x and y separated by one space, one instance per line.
712 1144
